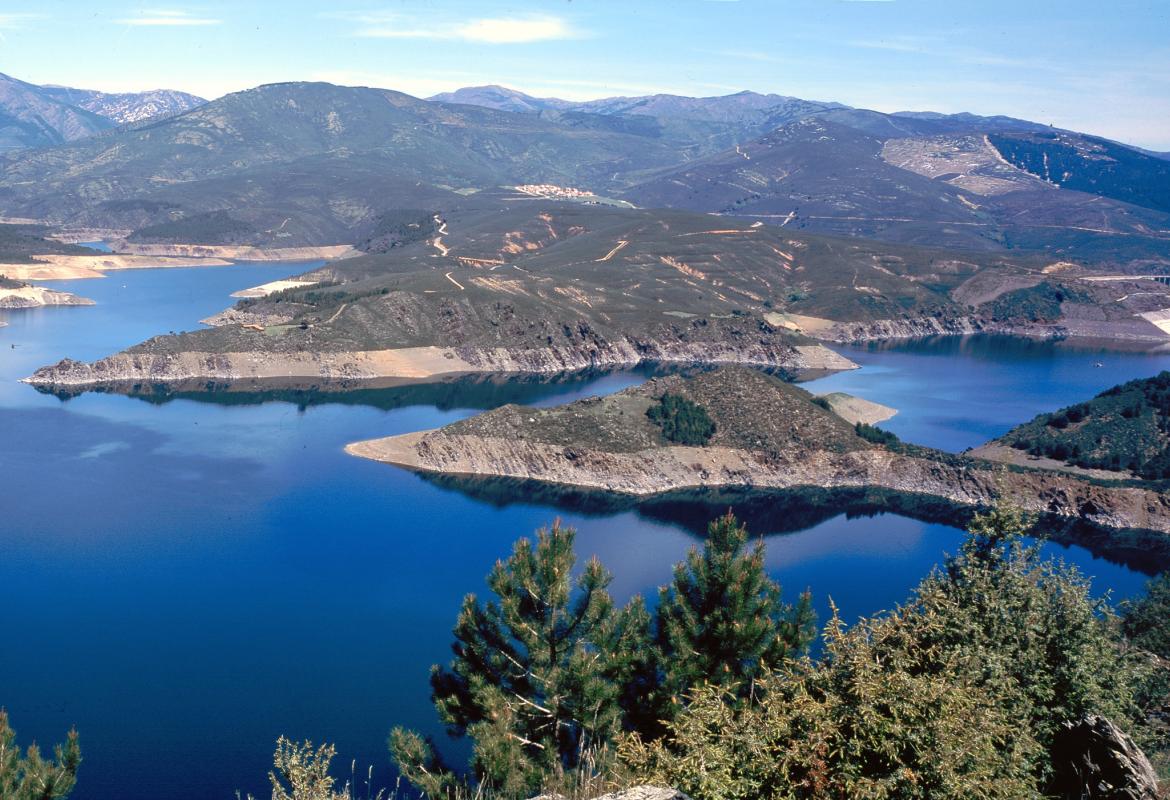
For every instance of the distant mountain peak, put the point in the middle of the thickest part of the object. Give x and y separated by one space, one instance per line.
37 116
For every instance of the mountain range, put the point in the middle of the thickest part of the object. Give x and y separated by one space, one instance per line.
42 116
314 163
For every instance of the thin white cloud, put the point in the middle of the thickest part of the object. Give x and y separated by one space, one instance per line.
160 17
484 30
10 21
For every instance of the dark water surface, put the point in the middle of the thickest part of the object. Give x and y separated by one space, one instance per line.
184 581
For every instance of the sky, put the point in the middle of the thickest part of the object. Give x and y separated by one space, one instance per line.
1102 68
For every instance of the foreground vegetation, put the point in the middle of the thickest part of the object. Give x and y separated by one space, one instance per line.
969 690
31 776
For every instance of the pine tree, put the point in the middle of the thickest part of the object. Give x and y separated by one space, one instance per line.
32 777
539 671
722 620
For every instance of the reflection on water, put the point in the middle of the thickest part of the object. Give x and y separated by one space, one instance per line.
478 392
769 512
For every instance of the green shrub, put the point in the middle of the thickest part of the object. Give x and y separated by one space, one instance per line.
875 435
1146 622
957 694
681 420
31 776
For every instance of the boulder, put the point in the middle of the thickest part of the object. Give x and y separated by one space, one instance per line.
1094 760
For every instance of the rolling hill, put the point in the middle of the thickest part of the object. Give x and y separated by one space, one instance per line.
297 164
695 125
899 179
347 154
512 283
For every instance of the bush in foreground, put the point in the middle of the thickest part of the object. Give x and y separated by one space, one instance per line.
31 776
958 694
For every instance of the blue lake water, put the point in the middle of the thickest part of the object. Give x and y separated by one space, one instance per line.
185 581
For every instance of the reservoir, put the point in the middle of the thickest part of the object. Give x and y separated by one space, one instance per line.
186 580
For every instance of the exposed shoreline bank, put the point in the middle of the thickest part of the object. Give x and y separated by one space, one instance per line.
413 363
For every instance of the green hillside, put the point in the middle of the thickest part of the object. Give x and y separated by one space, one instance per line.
1126 428
19 243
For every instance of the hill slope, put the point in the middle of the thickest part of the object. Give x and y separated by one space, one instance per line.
1125 429
280 144
861 174
1091 165
32 117
126 108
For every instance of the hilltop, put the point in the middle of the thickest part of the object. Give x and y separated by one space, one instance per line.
308 163
29 117
127 108
756 432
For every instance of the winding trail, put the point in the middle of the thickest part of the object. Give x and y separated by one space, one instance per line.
457 283
437 242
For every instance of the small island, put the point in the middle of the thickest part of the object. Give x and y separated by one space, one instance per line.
736 427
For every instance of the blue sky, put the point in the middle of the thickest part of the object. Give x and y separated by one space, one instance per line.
1098 67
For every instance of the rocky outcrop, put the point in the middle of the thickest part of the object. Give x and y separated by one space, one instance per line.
1094 760
420 362
633 793
246 316
888 329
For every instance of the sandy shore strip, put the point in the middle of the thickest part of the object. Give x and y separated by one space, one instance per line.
235 252
59 267
408 362
857 409
265 289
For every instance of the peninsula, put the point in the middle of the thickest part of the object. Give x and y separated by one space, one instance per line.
739 428
18 294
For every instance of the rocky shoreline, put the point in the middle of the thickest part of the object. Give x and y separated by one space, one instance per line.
1128 332
661 470
421 362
